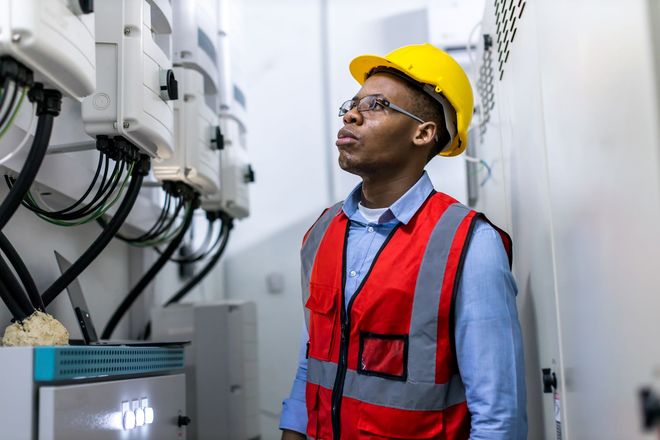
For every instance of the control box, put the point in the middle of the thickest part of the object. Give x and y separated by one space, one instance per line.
221 365
55 39
93 392
135 82
196 158
195 44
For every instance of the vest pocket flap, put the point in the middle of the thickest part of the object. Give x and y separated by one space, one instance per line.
321 299
396 423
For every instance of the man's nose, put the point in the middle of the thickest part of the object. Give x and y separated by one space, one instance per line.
352 117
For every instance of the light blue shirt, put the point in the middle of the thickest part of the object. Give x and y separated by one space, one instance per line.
487 333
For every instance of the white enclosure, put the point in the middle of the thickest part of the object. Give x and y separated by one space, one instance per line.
196 158
134 60
53 39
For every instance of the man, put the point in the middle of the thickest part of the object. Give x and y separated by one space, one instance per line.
409 297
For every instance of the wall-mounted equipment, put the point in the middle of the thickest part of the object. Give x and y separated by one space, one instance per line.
194 34
135 84
55 39
236 173
196 158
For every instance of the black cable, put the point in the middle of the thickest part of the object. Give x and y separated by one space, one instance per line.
162 217
148 276
11 304
89 189
87 209
209 266
11 104
204 250
5 85
90 208
137 177
227 225
48 107
155 230
166 227
23 273
14 287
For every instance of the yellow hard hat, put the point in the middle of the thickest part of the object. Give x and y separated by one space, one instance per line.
441 77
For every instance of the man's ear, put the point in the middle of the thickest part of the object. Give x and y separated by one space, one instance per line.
426 133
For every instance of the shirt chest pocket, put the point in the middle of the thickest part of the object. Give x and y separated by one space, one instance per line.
322 304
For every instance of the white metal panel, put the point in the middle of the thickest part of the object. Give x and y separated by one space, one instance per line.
95 411
523 140
601 121
17 415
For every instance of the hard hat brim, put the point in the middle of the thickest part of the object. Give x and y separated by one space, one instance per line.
362 65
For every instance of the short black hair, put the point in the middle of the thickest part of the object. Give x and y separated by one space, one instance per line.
430 110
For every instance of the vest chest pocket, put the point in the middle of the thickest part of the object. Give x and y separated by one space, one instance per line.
323 320
383 355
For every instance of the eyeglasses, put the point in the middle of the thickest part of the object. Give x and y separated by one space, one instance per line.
373 103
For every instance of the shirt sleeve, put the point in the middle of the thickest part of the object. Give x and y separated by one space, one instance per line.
489 341
294 408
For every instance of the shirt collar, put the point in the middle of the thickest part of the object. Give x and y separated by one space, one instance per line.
402 210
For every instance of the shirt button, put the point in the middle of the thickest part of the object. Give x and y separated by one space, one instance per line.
370 229
353 274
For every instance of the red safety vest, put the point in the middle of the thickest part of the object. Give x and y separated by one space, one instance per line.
384 367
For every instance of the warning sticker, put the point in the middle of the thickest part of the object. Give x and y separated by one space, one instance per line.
558 415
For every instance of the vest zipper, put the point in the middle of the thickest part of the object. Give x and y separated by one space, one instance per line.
345 335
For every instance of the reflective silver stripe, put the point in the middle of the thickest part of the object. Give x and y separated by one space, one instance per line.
423 338
309 249
421 396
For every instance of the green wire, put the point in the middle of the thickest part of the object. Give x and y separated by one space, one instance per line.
13 115
99 212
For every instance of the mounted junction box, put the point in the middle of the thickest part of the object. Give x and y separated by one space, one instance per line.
55 39
236 173
196 158
135 82
194 34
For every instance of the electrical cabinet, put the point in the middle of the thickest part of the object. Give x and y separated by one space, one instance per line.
221 365
196 158
93 393
55 39
135 83
568 114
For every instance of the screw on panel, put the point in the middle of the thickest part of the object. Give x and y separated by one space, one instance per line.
126 125
16 38
127 30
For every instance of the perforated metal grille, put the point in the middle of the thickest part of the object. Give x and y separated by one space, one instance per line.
485 86
62 363
508 14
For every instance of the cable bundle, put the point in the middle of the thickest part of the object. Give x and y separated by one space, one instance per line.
107 194
191 202
219 246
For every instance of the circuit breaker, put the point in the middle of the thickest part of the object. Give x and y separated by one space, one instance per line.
136 86
196 158
55 39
